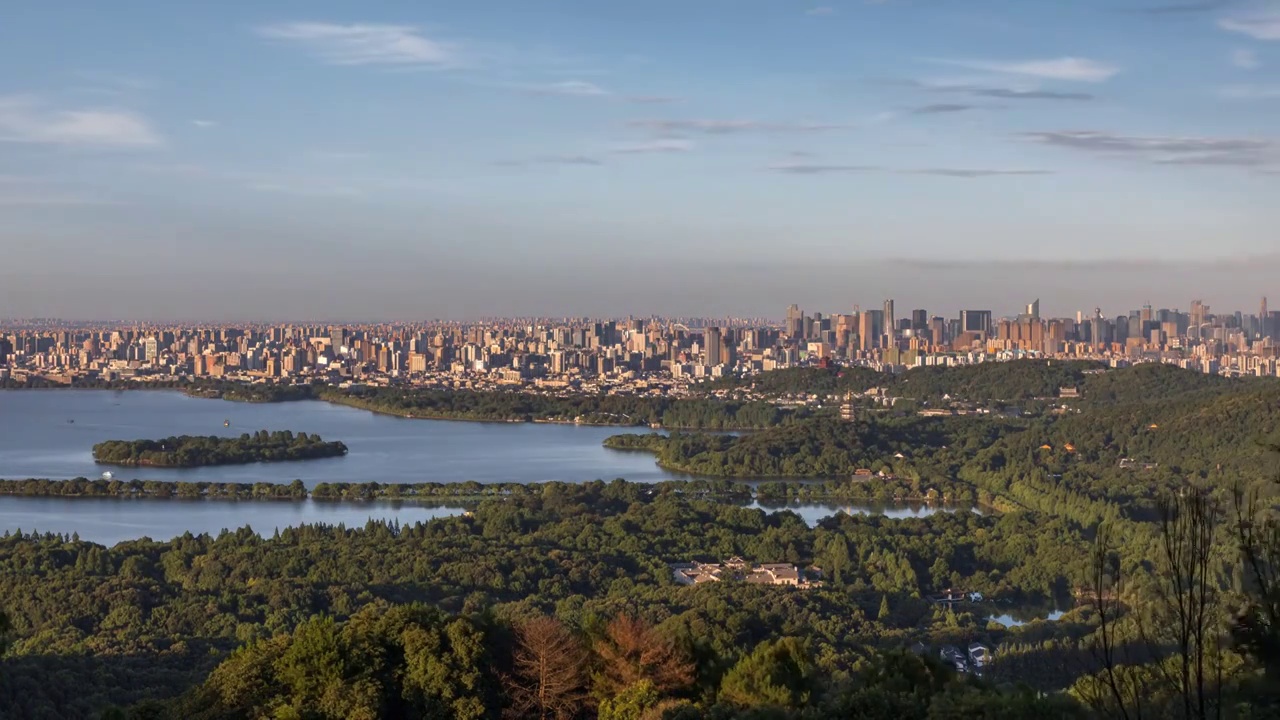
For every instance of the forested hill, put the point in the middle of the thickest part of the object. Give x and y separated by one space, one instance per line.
1018 380
1015 380
197 451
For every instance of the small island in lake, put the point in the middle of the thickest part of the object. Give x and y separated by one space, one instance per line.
198 451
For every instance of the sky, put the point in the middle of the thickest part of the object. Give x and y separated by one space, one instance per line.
393 159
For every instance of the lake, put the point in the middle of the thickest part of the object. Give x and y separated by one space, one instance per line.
37 440
112 520
813 513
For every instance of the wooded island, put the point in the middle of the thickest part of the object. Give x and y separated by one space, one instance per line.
200 451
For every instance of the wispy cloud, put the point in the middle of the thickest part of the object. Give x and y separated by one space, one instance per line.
52 200
1263 25
204 123
23 191
651 99
821 10
569 160
1011 94
1003 93
973 173
1167 150
797 168
1251 92
26 119
364 44
1245 59
819 169
1065 68
943 108
1183 8
306 189
728 127
337 155
654 146
571 88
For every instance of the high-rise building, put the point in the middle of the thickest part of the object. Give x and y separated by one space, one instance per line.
890 324
975 321
919 320
866 330
715 346
1033 309
795 321
337 340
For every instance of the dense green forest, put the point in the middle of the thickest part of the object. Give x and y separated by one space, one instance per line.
1146 510
580 552
591 409
198 451
819 447
992 381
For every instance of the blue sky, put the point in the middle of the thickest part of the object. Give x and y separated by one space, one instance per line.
408 159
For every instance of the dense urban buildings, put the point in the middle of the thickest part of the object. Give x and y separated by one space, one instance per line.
653 354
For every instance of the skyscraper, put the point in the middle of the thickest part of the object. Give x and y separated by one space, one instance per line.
1033 309
795 321
890 325
715 346
337 339
919 320
975 321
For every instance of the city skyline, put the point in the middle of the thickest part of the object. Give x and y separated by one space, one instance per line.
720 156
628 355
907 310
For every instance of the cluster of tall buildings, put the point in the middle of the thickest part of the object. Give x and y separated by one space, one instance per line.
519 351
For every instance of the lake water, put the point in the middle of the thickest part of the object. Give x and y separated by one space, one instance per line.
112 520
1018 619
813 513
36 440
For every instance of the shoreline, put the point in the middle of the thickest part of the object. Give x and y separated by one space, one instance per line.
372 493
356 406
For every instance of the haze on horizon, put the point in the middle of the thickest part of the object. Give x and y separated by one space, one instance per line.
696 157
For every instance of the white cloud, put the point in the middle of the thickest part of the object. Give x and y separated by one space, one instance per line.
364 44
306 189
1251 92
1264 26
574 88
727 127
204 123
1167 149
52 200
1245 59
28 120
654 146
1065 68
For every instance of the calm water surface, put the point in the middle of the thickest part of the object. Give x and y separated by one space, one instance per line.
36 440
50 434
112 520
813 513
1018 619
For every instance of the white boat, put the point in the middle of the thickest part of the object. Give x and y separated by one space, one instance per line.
107 475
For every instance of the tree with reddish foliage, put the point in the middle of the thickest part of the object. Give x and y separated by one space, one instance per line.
549 672
631 651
